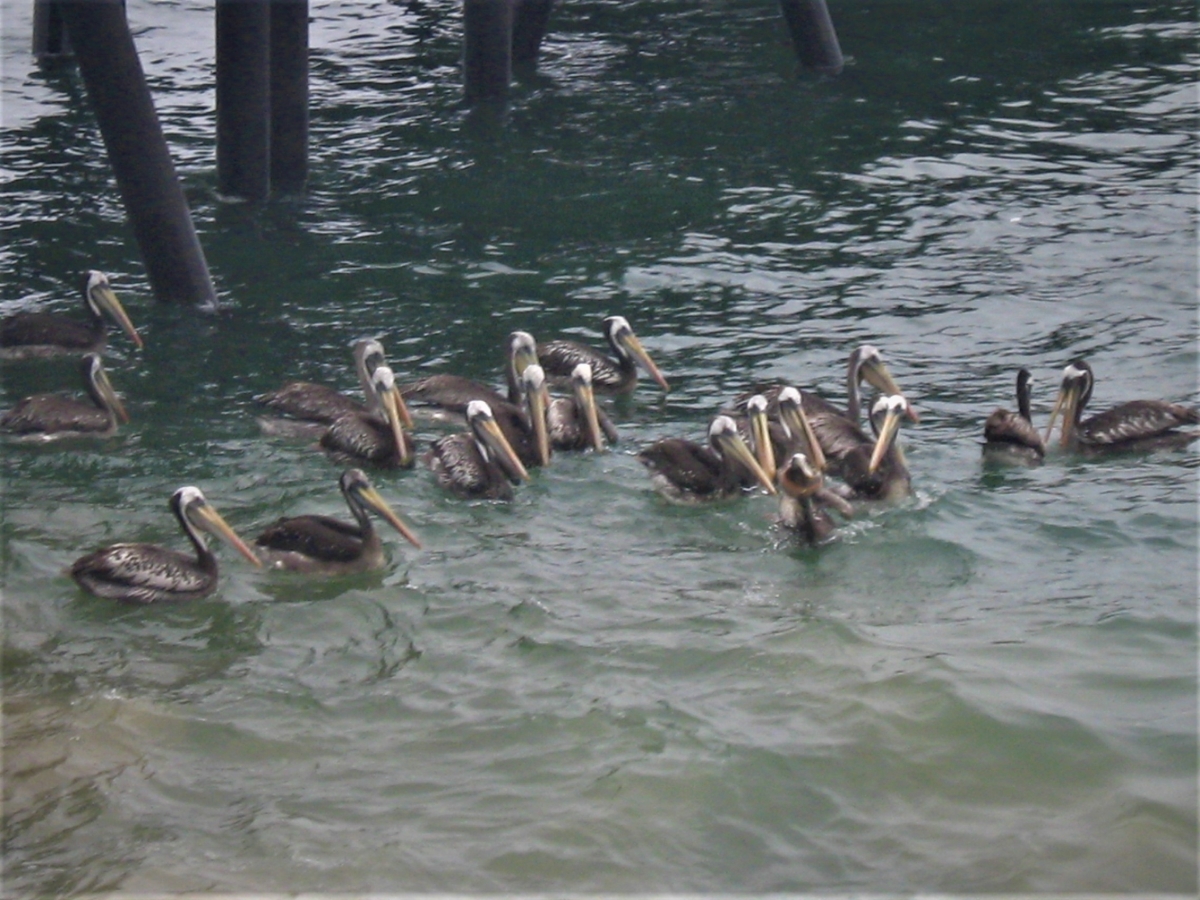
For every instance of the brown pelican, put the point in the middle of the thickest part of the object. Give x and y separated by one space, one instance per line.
791 432
377 437
687 472
477 464
317 403
574 422
1132 425
454 392
803 500
48 416
328 546
148 573
879 470
613 376
36 334
1012 435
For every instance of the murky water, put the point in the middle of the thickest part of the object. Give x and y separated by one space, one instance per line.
990 687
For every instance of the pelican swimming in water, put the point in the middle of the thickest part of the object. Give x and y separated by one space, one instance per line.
148 573
309 402
327 546
1010 435
479 463
38 334
454 392
804 500
49 416
687 472
611 376
1136 424
878 470
575 423
377 437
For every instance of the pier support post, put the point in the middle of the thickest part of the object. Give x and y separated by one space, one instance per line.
49 31
243 98
289 95
530 20
487 49
137 151
813 35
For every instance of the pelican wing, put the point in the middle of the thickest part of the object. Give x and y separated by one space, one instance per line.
35 328
317 537
311 402
51 413
142 573
451 392
1136 420
687 466
459 467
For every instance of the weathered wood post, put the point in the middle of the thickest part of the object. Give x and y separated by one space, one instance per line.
530 20
289 95
243 98
49 31
813 35
487 49
137 151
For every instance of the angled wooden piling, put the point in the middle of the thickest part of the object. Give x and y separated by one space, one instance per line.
487 49
531 18
49 31
289 95
243 98
137 151
813 35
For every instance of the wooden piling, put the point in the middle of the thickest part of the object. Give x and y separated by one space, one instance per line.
289 95
243 98
487 49
137 151
813 35
530 21
49 32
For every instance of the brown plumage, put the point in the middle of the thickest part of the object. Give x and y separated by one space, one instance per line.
48 416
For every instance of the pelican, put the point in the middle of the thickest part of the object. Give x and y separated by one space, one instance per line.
479 463
803 499
1010 434
377 437
454 392
881 474
1132 425
49 416
574 422
148 573
310 402
687 472
328 546
38 334
613 376
789 433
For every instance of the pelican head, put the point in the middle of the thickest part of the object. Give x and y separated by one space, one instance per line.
360 493
195 514
889 409
799 478
724 437
522 351
100 388
585 399
101 299
383 386
491 441
368 356
866 364
1073 395
791 414
626 345
537 398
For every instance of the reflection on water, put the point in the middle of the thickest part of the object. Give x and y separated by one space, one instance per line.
990 686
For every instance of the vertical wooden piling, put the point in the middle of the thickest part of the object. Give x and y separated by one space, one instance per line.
530 21
487 49
137 151
49 31
289 95
243 98
813 35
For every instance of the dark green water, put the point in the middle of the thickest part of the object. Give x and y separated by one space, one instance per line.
989 688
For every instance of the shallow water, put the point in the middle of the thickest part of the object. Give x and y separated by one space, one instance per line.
990 687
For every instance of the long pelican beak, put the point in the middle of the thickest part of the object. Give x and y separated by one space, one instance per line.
216 525
107 300
373 499
585 399
1065 403
499 445
887 434
760 431
539 400
110 396
630 342
792 415
397 416
733 445
878 376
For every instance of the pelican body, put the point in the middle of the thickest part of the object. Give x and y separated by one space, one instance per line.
327 546
479 464
148 573
49 416
804 501
311 402
38 334
687 472
879 470
610 375
575 423
1136 424
1012 434
377 437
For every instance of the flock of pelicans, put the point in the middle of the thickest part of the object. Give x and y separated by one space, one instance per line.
776 437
